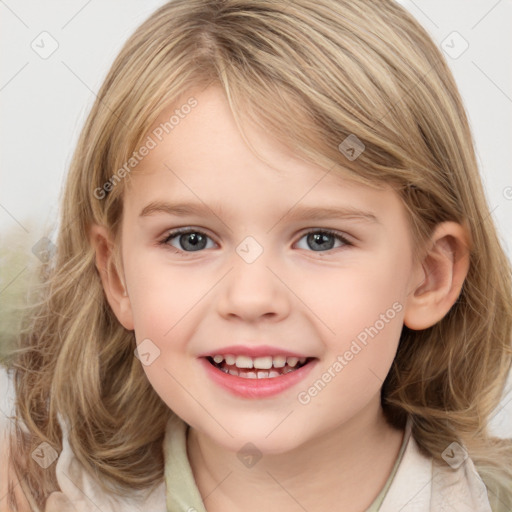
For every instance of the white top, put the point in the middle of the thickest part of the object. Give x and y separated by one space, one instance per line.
419 485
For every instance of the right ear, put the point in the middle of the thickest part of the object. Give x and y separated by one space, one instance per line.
111 277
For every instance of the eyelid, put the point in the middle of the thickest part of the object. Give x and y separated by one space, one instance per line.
344 237
173 233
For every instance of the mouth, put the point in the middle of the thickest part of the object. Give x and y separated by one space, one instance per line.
266 367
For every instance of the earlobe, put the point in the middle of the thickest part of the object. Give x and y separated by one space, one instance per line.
443 269
111 277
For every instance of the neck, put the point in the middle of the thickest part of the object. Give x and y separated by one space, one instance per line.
323 472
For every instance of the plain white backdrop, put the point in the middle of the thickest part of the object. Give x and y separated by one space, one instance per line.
55 54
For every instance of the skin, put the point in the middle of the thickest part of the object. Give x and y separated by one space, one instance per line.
292 296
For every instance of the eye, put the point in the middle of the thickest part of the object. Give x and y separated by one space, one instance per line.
322 240
188 240
192 240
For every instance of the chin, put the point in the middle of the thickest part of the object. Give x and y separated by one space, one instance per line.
267 442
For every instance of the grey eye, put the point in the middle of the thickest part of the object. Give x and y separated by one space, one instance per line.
189 241
320 241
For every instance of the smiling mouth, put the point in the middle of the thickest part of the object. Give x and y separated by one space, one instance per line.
267 367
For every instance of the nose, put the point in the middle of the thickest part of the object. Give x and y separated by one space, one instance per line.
253 291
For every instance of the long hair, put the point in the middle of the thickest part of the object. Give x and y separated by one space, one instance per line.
311 72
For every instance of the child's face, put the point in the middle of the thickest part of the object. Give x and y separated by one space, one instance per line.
258 281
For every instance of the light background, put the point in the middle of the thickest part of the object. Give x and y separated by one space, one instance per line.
44 102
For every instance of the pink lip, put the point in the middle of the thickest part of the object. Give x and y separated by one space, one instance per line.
256 388
259 351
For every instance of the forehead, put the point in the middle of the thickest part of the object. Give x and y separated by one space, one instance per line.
199 154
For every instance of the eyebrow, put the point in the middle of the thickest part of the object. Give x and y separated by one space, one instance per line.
304 212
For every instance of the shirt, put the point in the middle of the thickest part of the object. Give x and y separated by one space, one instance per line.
416 482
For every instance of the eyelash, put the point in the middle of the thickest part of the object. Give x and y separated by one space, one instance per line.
182 231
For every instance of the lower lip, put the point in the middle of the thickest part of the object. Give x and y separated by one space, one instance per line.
256 388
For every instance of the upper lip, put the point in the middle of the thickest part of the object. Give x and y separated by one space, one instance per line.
253 351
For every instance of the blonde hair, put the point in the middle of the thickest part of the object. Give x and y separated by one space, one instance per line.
312 72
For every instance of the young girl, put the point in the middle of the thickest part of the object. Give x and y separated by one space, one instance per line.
277 284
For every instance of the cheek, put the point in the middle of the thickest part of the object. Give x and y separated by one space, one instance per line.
364 294
367 325
161 298
361 312
161 303
164 303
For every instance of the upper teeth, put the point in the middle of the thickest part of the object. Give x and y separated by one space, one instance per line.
260 363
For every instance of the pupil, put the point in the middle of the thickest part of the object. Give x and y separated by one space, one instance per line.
321 239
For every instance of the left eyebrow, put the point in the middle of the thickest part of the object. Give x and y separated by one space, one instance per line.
322 213
302 212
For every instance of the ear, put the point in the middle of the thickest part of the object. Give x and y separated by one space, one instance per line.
439 277
111 277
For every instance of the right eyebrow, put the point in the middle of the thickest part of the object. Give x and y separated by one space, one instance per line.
178 209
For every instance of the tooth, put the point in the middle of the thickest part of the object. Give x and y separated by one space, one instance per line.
251 375
218 359
302 360
273 373
230 359
279 361
262 375
244 362
233 372
292 361
263 363
287 370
